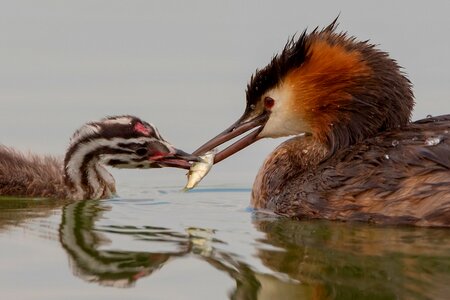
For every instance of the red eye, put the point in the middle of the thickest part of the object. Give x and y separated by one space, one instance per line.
269 102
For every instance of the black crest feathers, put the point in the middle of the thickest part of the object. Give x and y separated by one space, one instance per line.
292 56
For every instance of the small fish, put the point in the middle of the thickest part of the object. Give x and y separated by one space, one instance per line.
200 169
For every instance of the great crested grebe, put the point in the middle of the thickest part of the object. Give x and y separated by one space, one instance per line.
119 141
356 155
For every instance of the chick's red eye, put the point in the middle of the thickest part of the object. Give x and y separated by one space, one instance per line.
268 102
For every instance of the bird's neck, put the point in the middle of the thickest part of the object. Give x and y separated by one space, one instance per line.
85 175
292 158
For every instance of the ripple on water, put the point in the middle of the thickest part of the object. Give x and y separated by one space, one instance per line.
122 241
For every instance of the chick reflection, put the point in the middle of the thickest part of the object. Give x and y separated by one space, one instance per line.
85 243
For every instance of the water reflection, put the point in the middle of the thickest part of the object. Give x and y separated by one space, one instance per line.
294 260
83 241
359 261
20 211
319 260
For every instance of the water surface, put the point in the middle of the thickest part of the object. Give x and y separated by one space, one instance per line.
184 65
207 244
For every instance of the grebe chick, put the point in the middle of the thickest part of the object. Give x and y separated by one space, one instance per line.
119 141
355 154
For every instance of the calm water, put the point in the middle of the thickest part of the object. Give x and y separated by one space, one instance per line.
206 244
184 65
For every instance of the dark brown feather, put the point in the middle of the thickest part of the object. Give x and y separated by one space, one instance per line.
397 177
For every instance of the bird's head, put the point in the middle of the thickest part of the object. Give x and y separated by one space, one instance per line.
125 142
326 85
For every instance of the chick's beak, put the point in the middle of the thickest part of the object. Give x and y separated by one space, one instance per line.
244 124
176 158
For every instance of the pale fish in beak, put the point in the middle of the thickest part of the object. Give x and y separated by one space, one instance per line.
199 169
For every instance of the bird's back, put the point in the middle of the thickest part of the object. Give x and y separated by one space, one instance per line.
29 175
398 177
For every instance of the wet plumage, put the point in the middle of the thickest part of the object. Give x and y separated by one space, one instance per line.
356 155
398 177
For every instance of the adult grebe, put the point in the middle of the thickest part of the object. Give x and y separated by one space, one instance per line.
119 141
359 158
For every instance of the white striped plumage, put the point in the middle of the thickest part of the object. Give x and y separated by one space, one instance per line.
122 141
74 165
89 129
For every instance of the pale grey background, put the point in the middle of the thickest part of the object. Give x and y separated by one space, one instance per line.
184 65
